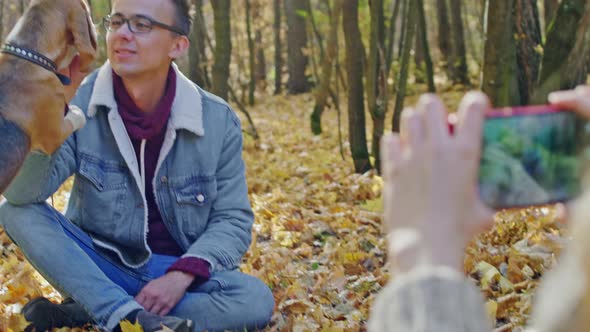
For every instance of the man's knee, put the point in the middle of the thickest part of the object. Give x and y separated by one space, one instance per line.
261 303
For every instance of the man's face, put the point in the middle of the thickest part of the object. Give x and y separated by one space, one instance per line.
141 54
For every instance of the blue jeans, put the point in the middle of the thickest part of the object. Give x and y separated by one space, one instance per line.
66 257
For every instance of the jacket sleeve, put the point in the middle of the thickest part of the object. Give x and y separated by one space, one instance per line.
228 233
429 299
41 175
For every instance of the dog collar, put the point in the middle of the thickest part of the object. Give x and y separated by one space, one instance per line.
36 58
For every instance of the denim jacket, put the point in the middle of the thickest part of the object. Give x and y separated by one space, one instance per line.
199 183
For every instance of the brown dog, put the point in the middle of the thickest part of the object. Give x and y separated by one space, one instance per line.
32 99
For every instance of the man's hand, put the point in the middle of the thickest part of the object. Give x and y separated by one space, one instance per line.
160 295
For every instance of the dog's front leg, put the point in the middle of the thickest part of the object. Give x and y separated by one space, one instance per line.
55 135
75 119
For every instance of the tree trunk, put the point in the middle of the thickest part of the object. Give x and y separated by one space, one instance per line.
402 36
390 41
444 35
500 80
458 61
278 47
260 59
197 56
297 60
528 31
1 20
420 71
376 77
221 13
252 55
550 7
354 67
409 38
322 92
21 7
429 70
564 64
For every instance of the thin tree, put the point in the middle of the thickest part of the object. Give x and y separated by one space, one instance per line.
528 42
376 83
354 68
222 26
252 54
402 36
197 55
420 69
323 90
252 131
427 59
550 8
409 38
278 47
458 61
295 10
390 40
444 36
500 79
564 64
1 20
260 57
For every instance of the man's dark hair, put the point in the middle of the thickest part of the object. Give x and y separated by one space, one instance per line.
182 16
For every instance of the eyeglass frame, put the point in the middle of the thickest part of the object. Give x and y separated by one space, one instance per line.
127 20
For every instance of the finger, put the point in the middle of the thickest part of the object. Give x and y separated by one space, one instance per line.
577 100
146 302
140 298
471 117
165 310
391 150
561 213
411 130
435 116
157 308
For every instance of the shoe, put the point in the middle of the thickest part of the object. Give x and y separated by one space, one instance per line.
45 315
152 322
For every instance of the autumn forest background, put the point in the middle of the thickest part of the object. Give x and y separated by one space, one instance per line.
317 83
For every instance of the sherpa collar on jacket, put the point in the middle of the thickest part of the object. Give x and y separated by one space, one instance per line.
187 108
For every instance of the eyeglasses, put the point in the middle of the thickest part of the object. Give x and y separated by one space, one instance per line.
136 24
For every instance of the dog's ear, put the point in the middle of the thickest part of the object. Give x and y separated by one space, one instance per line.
82 29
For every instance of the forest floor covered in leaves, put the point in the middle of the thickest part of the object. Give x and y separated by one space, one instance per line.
317 239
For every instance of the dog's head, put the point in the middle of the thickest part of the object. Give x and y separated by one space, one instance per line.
59 29
81 33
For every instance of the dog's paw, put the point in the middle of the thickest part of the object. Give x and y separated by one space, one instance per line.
76 117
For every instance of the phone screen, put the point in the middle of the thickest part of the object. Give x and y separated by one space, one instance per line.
531 156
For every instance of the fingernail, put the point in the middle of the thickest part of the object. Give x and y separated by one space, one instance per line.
477 98
554 97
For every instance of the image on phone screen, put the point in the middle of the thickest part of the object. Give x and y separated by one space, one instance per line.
531 159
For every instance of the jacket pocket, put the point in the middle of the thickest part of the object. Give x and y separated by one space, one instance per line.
199 191
105 175
102 190
194 196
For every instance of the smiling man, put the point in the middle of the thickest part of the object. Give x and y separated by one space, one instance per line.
159 218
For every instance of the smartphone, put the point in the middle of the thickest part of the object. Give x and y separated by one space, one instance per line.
532 155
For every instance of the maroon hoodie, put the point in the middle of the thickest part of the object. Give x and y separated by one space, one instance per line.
151 127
